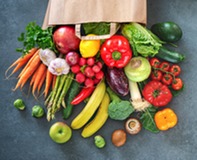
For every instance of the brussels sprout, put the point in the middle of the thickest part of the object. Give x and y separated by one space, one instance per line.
19 104
99 141
37 111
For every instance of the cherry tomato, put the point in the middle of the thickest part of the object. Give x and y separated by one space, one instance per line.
167 79
165 66
156 75
177 84
154 62
175 69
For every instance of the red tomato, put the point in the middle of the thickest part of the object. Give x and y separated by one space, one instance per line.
165 66
167 79
175 69
154 62
157 93
156 75
177 84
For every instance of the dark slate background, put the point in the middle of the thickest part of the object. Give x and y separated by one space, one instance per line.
23 137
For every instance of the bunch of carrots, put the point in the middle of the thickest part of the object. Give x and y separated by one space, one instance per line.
33 70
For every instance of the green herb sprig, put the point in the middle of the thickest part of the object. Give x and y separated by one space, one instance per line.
35 36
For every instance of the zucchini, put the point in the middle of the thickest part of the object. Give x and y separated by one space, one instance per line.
167 31
170 56
73 91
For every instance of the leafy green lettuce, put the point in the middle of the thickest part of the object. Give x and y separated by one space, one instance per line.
142 40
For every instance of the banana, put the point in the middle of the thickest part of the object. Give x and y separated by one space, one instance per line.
92 105
99 120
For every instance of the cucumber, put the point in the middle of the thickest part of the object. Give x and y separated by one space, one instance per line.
170 56
73 91
167 31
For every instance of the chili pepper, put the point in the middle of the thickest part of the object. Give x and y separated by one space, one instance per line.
116 51
157 93
165 119
83 94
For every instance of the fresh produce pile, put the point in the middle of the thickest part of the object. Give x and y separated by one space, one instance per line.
100 74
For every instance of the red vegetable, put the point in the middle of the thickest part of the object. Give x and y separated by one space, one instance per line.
167 79
156 75
84 93
116 51
157 93
154 62
177 84
165 66
175 69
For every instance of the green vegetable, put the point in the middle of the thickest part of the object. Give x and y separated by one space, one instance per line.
118 109
73 91
19 104
141 40
167 31
101 28
56 98
35 36
99 141
147 119
138 69
37 111
170 56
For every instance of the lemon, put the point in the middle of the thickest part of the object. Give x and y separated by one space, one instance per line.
89 48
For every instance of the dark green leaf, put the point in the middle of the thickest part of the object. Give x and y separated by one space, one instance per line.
147 119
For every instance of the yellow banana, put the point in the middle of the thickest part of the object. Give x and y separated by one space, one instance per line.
99 120
92 105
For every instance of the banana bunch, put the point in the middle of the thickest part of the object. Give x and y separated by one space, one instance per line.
99 120
95 100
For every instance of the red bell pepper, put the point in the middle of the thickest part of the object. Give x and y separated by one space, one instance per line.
116 51
83 94
157 93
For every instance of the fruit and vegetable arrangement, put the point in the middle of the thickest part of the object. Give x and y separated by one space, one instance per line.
131 77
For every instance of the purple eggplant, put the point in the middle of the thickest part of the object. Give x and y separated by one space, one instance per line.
117 81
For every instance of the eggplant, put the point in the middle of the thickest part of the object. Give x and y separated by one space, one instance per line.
117 81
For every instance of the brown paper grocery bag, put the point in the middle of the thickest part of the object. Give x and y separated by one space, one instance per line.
76 12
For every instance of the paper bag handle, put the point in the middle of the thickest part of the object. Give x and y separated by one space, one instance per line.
113 30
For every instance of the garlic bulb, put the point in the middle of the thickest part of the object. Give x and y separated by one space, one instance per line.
47 56
59 66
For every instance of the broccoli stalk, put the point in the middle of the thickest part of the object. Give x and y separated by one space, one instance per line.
118 109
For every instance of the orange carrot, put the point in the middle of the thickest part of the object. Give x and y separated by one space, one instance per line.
28 72
39 73
41 82
20 62
54 80
29 62
49 79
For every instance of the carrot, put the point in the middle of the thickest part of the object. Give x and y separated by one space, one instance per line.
54 81
49 79
20 62
39 73
29 62
28 72
41 82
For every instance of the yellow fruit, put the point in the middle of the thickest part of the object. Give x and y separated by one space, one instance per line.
84 116
99 120
89 48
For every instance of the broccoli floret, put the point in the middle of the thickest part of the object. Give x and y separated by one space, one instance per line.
118 109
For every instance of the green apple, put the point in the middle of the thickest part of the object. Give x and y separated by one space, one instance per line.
60 132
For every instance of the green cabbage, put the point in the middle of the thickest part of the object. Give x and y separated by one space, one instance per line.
141 39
